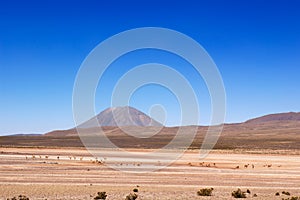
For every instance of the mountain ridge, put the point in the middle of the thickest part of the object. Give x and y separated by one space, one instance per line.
276 117
268 121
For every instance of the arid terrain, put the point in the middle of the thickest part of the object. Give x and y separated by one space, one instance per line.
262 156
271 135
72 173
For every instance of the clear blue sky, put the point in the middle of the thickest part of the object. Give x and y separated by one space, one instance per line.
255 44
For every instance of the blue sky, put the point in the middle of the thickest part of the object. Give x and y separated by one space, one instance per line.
255 44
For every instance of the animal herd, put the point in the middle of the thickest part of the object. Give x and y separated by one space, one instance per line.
102 161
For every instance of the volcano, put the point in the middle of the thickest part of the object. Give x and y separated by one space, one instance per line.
122 116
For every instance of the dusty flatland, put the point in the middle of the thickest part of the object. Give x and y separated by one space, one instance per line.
38 173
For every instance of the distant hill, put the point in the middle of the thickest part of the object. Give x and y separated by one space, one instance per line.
277 131
136 120
21 134
280 117
122 116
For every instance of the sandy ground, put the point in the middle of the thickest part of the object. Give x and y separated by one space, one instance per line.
39 174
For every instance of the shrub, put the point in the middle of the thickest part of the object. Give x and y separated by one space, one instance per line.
205 192
255 195
286 193
295 198
135 190
238 194
131 196
101 195
20 197
277 194
292 198
248 191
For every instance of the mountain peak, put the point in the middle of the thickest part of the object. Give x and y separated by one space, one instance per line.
123 116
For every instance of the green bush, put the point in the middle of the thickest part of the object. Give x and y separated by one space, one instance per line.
238 194
205 192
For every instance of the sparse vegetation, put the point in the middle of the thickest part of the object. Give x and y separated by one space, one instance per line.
239 194
205 192
131 196
292 198
286 193
135 190
295 198
20 197
101 195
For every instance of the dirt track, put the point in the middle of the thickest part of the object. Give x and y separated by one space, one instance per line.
27 171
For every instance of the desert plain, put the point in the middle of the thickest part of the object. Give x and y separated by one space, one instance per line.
73 173
262 157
